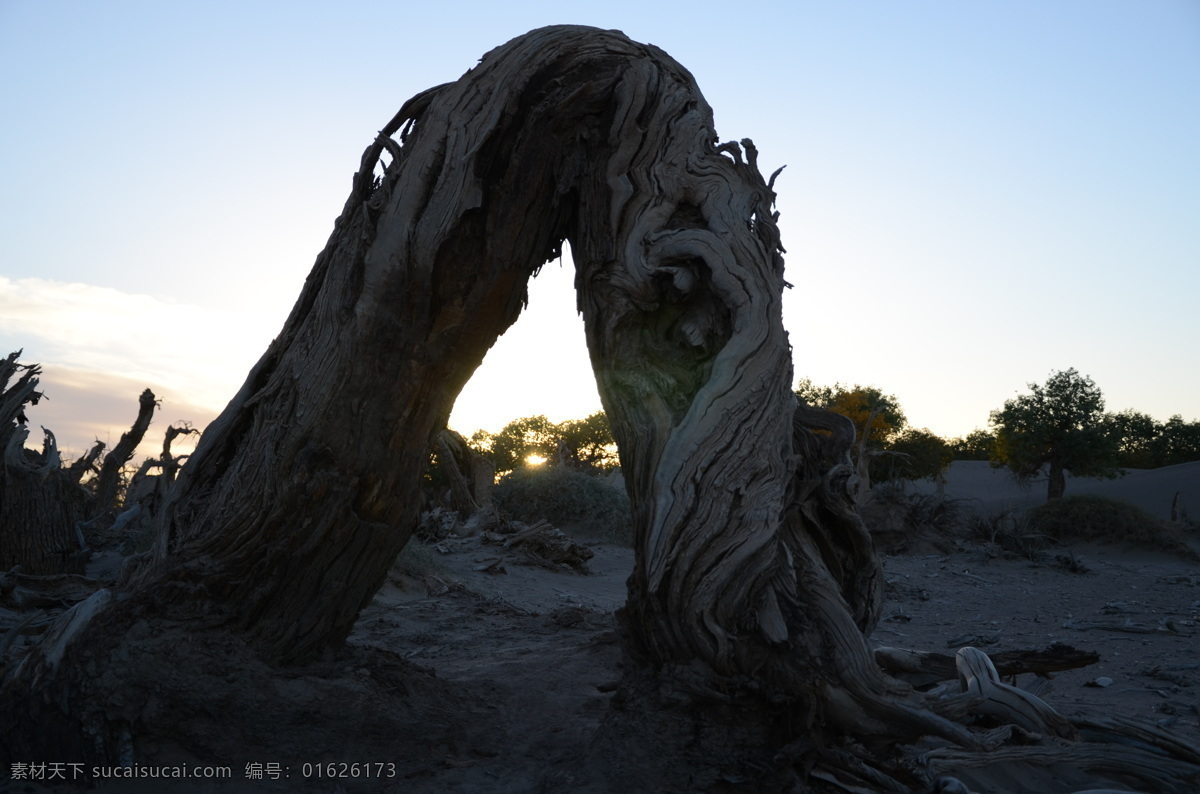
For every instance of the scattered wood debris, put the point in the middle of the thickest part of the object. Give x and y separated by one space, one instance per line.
490 565
922 668
539 543
30 604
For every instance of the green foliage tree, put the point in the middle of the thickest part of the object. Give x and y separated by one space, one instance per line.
919 455
585 444
1177 442
1135 434
1147 444
1059 426
976 445
588 442
875 415
517 441
887 448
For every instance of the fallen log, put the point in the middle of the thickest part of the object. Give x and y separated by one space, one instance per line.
1008 704
923 668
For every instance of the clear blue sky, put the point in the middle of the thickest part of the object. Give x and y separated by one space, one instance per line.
976 193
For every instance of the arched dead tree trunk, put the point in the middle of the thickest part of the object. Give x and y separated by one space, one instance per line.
755 581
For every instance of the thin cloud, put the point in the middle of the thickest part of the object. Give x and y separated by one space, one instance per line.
82 407
195 351
100 347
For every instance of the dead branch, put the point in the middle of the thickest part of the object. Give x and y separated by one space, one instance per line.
110 471
921 668
13 399
86 463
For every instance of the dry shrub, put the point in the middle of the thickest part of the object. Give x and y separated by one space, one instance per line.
898 520
418 560
1097 518
566 498
1008 529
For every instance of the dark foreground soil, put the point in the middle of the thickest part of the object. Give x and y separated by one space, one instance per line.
499 681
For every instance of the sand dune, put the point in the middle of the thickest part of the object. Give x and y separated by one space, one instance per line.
1150 489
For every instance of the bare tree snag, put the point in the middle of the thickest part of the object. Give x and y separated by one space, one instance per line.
144 493
755 581
13 399
110 471
43 507
86 463
144 485
39 506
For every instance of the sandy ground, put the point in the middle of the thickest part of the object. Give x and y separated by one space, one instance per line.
537 644
1140 610
496 681
541 641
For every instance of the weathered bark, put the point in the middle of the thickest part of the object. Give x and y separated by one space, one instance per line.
606 143
755 580
301 493
752 563
38 517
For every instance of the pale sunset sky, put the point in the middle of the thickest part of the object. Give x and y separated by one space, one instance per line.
976 193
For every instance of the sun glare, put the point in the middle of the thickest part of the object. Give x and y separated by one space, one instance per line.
534 460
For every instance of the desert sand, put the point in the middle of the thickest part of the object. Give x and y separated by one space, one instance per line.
496 680
1153 490
541 642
